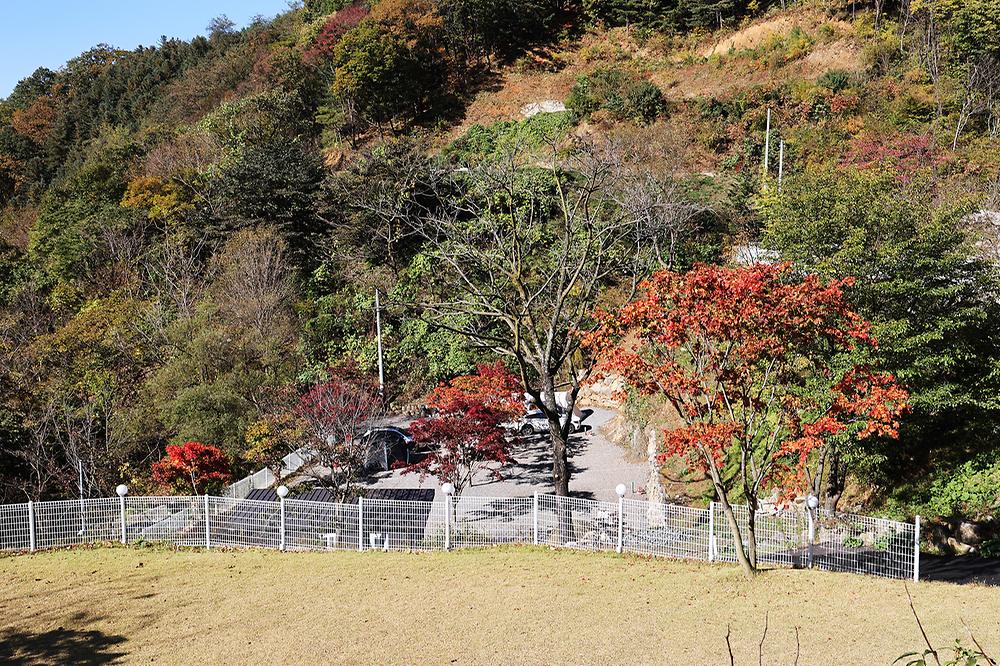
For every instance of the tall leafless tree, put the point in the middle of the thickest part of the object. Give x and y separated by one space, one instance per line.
523 250
254 286
981 93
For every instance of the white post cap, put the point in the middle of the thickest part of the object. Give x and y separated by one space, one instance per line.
282 491
448 488
620 489
122 490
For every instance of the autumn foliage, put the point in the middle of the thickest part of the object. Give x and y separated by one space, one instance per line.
333 415
904 154
335 27
36 121
763 366
466 433
193 465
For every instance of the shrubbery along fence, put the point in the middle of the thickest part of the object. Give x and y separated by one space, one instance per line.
796 538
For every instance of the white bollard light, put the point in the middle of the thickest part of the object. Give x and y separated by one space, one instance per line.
282 494
122 490
620 491
448 490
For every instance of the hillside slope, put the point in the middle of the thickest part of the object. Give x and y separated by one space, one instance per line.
192 234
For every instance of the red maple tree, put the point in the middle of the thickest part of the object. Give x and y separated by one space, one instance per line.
763 366
335 414
201 466
466 432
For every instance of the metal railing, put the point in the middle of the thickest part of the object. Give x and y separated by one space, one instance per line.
265 478
796 538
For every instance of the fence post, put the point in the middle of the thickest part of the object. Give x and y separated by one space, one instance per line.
916 549
448 490
122 490
534 519
620 491
208 534
361 524
711 531
31 525
812 535
282 492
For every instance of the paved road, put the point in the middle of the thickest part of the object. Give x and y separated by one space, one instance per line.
597 467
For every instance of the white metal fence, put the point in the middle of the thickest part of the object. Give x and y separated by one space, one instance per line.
796 538
264 478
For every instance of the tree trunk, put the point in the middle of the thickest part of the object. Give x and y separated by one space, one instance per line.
836 479
559 434
560 461
749 567
560 480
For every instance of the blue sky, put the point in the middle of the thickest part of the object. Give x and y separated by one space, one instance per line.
36 33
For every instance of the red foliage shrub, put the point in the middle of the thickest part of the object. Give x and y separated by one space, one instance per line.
842 103
193 465
906 154
467 431
335 414
753 360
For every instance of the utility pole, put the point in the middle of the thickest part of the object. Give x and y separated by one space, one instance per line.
378 334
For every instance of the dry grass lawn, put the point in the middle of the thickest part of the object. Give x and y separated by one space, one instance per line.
508 606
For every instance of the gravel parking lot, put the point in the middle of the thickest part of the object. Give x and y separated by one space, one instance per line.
597 467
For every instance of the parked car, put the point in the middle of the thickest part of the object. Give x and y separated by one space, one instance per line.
387 445
532 423
535 423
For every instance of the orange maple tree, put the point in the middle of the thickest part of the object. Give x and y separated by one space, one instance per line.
764 366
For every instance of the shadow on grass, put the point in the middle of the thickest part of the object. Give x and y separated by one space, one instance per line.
962 569
60 646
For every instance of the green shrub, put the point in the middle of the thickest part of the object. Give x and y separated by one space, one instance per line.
990 548
534 132
834 79
592 92
615 91
644 101
971 491
853 542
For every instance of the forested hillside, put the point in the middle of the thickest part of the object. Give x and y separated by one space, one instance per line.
192 233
